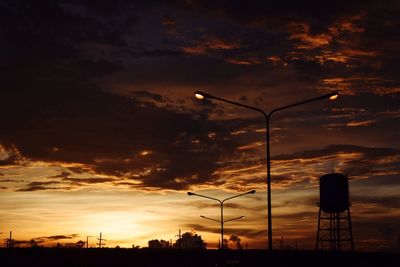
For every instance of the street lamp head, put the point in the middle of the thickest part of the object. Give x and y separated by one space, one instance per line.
241 217
190 193
252 191
202 216
201 95
332 96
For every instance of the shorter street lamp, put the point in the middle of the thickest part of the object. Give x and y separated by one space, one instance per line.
221 202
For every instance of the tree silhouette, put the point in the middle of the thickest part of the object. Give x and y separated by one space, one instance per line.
155 243
80 244
33 243
235 241
189 240
135 246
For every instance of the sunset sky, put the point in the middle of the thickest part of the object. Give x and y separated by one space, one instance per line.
100 130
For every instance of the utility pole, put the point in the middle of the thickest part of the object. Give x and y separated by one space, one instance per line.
9 241
179 236
101 239
87 240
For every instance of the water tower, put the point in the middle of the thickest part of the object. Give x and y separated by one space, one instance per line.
334 220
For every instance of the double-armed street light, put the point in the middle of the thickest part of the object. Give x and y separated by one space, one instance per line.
267 115
237 218
221 202
222 223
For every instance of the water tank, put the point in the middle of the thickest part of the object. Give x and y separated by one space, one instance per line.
334 192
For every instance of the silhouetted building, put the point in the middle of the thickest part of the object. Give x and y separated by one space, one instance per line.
334 220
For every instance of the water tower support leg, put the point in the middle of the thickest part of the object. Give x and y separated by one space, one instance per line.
351 230
319 225
338 230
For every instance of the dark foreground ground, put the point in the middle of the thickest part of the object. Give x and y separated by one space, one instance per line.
170 257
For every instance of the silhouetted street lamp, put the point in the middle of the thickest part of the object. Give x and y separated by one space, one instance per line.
331 96
221 202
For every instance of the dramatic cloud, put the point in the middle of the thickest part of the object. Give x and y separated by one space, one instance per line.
48 240
36 186
245 232
307 166
58 237
146 138
109 134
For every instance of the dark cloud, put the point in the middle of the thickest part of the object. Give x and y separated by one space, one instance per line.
147 95
201 228
57 237
9 155
12 181
298 216
59 114
372 153
302 169
65 110
383 180
385 202
95 180
233 34
63 174
226 205
38 186
258 10
360 162
44 239
108 133
248 233
244 232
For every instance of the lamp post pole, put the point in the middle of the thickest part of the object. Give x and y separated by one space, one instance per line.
221 202
332 96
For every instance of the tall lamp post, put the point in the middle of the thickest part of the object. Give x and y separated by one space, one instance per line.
331 96
221 202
